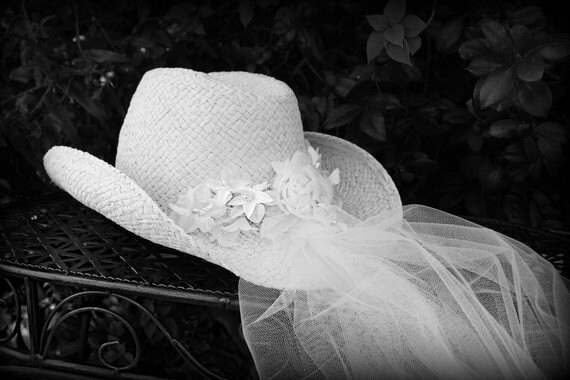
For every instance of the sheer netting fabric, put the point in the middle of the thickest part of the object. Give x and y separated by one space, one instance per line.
423 294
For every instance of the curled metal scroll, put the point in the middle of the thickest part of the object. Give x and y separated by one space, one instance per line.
18 312
104 345
184 353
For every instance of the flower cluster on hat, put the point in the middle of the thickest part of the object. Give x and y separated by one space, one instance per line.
304 192
223 207
230 205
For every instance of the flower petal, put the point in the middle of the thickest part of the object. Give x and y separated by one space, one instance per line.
334 178
222 197
263 197
204 223
315 156
188 223
238 225
258 213
217 212
235 212
180 210
273 195
278 166
248 209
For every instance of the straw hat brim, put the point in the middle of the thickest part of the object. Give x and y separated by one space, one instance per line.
365 190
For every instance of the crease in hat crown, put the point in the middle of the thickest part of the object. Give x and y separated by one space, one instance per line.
184 126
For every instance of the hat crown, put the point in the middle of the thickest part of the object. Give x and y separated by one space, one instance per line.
184 126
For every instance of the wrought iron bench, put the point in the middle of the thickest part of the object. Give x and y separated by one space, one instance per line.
107 270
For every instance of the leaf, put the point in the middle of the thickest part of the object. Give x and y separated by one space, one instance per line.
395 35
143 10
65 116
414 43
316 43
422 165
377 22
558 47
149 330
475 142
503 129
342 115
514 153
394 11
344 85
481 66
171 325
67 348
497 35
359 91
398 53
79 94
458 116
385 101
449 34
425 124
245 12
508 101
494 180
450 199
372 123
530 149
553 131
473 48
475 203
535 98
102 56
476 103
375 44
550 148
530 68
496 87
20 74
413 73
413 25
527 16
522 38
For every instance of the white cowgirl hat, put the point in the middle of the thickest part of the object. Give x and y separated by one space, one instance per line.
181 127
371 289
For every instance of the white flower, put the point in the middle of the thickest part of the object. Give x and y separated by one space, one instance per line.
228 182
300 187
252 200
315 157
197 209
229 205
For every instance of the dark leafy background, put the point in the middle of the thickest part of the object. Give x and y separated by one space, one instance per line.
465 103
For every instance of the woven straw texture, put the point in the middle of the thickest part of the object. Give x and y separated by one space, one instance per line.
183 127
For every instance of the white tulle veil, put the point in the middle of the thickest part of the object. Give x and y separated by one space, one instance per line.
411 292
417 294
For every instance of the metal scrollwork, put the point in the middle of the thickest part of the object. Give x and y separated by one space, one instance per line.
129 327
18 312
184 353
